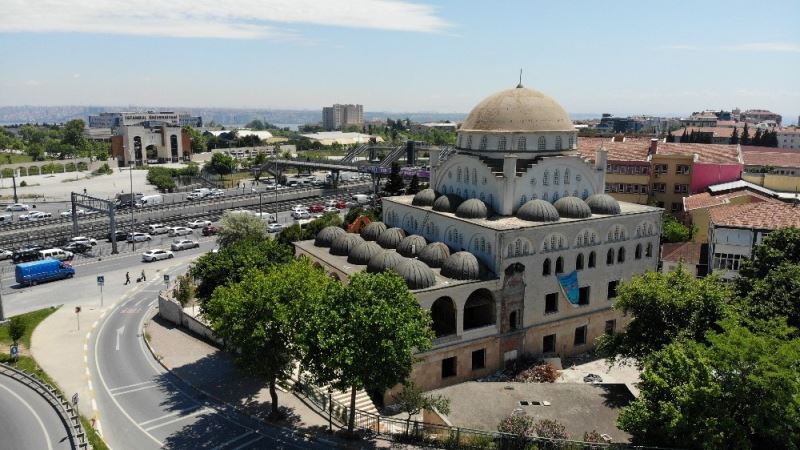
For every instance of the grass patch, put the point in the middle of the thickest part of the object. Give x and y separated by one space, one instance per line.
31 320
29 365
91 435
14 158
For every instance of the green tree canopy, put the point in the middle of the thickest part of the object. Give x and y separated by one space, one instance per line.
740 390
73 133
395 182
237 226
674 231
221 164
664 307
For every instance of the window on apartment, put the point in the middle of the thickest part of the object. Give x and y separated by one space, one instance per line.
583 295
551 303
725 261
579 262
592 259
546 267
580 336
682 169
558 142
501 143
611 326
660 204
449 367
659 187
479 359
522 143
681 188
541 142
660 169
549 343
612 289
677 207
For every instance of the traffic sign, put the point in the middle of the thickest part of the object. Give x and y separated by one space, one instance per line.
75 399
166 279
77 310
101 280
14 351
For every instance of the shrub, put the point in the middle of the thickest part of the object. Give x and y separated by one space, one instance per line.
23 183
69 167
161 178
82 166
541 373
551 429
674 231
593 436
522 426
16 328
33 170
104 170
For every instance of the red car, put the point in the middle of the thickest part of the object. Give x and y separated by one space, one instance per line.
341 204
209 230
315 208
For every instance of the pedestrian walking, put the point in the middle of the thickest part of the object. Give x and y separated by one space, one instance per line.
84 191
127 278
144 278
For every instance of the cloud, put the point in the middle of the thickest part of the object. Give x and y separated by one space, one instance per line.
746 47
232 19
76 75
32 83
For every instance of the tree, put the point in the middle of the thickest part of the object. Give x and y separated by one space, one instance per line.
395 183
663 308
16 328
413 186
670 137
674 231
757 138
740 390
221 164
745 139
355 213
734 136
316 225
256 318
365 337
199 142
185 290
290 234
412 400
237 226
73 133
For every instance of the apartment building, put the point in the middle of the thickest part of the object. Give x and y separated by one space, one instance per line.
339 117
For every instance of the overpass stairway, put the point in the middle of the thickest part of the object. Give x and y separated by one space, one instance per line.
353 153
393 156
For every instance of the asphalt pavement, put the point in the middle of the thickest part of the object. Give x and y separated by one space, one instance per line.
27 420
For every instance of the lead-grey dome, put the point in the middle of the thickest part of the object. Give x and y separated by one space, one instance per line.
385 260
391 237
416 273
472 209
363 252
372 231
538 211
461 266
434 254
326 236
603 204
447 203
572 208
410 246
425 197
345 243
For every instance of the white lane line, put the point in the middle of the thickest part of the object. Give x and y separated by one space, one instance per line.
178 419
90 385
135 390
251 441
237 438
120 388
38 419
165 416
94 405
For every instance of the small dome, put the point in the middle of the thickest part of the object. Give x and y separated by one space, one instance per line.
326 236
603 204
345 243
391 237
410 246
424 197
461 266
416 273
385 260
363 252
447 203
434 254
572 208
373 230
538 211
472 209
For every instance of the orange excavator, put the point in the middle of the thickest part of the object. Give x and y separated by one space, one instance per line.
358 224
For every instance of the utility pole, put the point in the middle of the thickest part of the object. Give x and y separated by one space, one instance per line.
14 180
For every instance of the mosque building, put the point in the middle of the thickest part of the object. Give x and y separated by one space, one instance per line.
515 249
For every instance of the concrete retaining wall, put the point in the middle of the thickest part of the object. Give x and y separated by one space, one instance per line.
169 309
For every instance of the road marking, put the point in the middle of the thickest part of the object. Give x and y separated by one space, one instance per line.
178 419
120 330
90 385
121 388
135 390
86 347
251 441
94 325
30 408
85 358
237 438
94 405
166 416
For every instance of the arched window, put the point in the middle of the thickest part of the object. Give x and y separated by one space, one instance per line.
542 142
466 175
649 251
483 244
555 196
610 257
517 248
510 251
546 178
592 259
522 200
469 141
443 315
571 141
585 194
621 255
566 177
556 177
579 262
559 265
474 177
458 176
484 141
501 143
546 267
558 142
553 243
483 196
479 310
638 253
522 143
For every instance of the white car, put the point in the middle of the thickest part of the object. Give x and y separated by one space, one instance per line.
34 216
139 237
297 215
198 223
274 227
183 244
331 209
330 203
156 254
180 231
84 240
5 254
17 207
80 212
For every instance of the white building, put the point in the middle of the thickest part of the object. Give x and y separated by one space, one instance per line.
338 116
789 137
140 144
119 119
515 249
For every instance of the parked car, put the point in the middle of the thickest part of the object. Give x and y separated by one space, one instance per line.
139 237
330 203
84 240
5 254
157 228
26 254
210 230
56 253
316 208
297 215
17 207
274 227
331 209
77 247
35 216
121 236
156 254
31 273
183 244
341 204
180 231
199 223
79 212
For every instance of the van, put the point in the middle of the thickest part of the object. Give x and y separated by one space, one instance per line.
31 273
150 200
55 253
362 199
157 228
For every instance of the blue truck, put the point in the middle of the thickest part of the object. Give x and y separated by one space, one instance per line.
32 273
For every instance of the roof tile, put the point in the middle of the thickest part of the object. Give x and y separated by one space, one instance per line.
761 215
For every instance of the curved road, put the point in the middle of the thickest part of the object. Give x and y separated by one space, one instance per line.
27 420
142 406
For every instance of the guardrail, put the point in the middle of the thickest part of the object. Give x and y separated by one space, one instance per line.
69 416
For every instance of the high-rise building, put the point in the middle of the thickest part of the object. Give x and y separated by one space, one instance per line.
118 119
338 116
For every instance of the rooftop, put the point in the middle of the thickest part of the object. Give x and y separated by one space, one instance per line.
686 252
705 153
628 150
707 199
760 216
770 156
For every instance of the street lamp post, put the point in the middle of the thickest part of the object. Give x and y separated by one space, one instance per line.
132 206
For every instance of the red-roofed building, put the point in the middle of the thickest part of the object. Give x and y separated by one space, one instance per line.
773 168
688 254
697 206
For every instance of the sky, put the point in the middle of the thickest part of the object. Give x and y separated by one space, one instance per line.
622 57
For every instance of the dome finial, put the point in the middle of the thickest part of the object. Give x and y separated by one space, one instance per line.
519 86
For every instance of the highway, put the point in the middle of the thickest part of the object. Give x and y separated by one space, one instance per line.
27 420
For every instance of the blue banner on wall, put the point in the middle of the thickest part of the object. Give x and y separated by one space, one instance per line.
570 287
